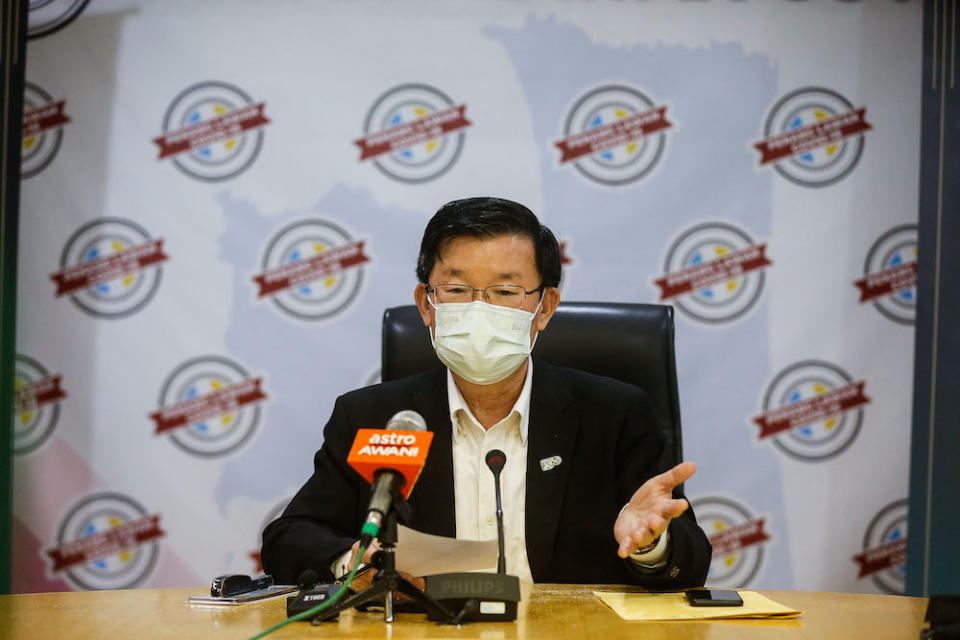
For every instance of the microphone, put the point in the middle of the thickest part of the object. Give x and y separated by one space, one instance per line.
495 461
391 460
481 597
406 420
308 579
312 593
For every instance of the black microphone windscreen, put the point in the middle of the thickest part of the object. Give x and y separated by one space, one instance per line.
308 578
495 460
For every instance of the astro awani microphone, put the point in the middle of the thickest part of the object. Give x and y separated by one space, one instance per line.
391 460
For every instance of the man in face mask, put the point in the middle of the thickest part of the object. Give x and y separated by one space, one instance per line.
586 495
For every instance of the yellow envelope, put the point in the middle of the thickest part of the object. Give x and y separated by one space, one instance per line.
674 606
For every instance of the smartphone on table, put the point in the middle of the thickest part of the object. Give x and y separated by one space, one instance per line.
714 598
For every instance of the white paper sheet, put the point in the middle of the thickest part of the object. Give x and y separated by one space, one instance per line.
423 554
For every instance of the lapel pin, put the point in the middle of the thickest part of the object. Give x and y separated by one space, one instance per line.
549 463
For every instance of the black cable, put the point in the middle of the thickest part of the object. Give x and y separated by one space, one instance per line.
470 607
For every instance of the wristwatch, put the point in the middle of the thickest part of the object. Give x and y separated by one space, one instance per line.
639 551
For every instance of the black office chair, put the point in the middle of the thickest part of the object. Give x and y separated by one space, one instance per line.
629 342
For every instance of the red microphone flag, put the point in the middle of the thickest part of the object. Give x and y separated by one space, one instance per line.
404 451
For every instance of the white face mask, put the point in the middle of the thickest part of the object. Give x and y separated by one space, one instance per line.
481 342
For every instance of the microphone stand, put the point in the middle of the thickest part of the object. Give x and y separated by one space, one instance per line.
388 579
481 596
501 558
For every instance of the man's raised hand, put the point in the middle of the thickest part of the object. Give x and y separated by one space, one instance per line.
651 508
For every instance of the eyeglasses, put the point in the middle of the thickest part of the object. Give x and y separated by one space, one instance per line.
502 295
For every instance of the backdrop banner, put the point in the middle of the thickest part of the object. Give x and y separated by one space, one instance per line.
220 199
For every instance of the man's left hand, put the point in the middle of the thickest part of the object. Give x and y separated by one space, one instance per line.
651 509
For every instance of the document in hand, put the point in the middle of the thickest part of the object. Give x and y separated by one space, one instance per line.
422 554
674 606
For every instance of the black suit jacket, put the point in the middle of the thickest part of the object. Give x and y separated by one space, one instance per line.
608 443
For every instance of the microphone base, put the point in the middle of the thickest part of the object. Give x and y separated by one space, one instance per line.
387 581
309 598
496 595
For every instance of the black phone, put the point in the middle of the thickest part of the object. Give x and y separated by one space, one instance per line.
714 598
229 585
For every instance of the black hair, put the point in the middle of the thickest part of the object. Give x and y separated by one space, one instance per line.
487 218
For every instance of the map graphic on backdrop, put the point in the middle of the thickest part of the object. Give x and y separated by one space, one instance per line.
628 226
266 339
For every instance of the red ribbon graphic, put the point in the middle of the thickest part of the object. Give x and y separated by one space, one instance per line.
738 537
818 407
49 116
886 556
324 264
116 265
721 269
126 536
36 394
257 560
625 130
216 403
887 281
202 134
812 136
565 258
418 131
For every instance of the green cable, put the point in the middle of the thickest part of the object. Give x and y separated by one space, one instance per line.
309 613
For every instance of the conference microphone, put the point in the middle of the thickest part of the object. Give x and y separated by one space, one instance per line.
312 593
308 579
495 461
390 460
480 597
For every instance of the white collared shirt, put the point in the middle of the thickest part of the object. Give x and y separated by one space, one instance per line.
476 506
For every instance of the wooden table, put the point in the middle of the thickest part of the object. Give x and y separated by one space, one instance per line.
547 611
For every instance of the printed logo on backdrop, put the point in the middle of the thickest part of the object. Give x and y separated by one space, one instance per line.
566 261
614 135
714 272
273 515
812 410
884 555
813 137
209 406
890 275
212 131
36 404
110 267
106 541
48 16
565 258
738 538
43 120
312 269
413 133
